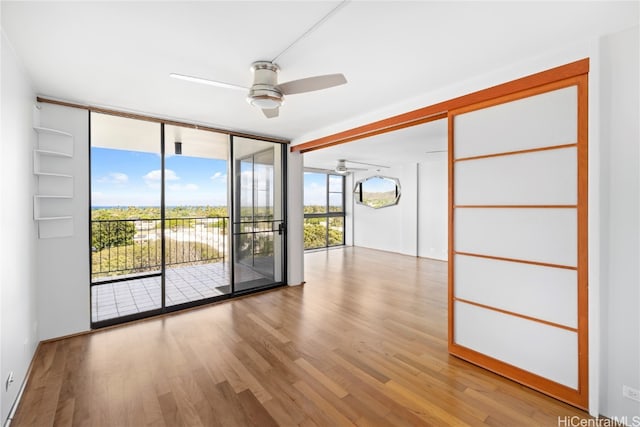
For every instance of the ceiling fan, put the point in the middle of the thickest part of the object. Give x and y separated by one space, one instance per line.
341 166
265 92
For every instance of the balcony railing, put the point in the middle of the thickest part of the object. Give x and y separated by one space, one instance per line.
132 246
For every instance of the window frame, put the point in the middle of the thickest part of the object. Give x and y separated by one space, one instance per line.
327 214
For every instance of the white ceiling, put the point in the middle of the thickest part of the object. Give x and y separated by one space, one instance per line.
119 54
122 133
408 145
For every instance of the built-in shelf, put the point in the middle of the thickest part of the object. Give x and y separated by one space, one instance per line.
54 192
53 218
53 153
51 196
41 129
57 175
49 207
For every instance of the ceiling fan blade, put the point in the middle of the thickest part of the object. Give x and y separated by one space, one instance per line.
367 164
207 81
312 83
271 112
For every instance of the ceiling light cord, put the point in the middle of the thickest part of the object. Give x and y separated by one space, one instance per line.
313 28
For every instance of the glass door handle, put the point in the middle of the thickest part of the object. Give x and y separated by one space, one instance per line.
281 228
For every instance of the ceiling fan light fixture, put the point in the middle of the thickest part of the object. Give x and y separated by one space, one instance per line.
265 102
341 167
265 96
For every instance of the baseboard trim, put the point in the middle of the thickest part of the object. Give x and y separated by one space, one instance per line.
23 386
64 337
296 284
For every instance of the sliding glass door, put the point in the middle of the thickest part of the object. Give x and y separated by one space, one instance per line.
258 214
196 219
169 229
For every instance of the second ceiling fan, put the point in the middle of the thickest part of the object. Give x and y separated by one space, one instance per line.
343 169
265 92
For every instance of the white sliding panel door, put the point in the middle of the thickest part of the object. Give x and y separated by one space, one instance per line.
518 237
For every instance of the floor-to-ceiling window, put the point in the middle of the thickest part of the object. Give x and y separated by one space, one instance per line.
162 202
126 259
196 254
323 210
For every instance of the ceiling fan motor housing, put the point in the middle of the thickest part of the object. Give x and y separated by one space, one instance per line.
264 93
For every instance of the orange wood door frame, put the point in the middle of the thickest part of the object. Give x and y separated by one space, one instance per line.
574 73
439 110
578 397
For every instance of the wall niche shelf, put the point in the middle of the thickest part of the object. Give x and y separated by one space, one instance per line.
53 201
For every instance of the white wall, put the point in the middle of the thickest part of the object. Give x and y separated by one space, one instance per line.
417 225
295 218
433 199
392 228
409 218
63 263
18 325
379 228
620 222
348 210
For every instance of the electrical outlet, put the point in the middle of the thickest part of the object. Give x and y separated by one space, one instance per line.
631 393
9 381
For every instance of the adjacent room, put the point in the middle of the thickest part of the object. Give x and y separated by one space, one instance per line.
320 213
414 160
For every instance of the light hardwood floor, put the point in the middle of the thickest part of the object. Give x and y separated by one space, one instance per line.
362 342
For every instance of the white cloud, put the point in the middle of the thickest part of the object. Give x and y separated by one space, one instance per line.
170 175
219 176
117 178
154 177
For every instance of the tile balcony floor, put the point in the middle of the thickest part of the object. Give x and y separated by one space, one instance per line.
183 284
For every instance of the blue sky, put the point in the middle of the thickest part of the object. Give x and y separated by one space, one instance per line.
315 188
380 185
132 178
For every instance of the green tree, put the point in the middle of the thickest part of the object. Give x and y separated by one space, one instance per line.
315 233
106 234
